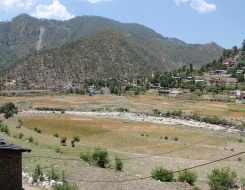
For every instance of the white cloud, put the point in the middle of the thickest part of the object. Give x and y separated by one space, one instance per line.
15 5
180 1
55 11
200 5
96 1
203 7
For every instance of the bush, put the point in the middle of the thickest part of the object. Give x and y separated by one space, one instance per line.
4 128
52 175
20 121
57 149
100 157
30 139
56 135
65 186
37 174
187 176
118 164
159 173
166 137
222 179
76 138
20 135
62 111
86 156
176 139
38 130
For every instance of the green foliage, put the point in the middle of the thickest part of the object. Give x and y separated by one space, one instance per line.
222 179
20 121
86 156
62 111
57 149
30 139
187 176
76 138
56 135
52 175
159 173
4 128
8 109
118 164
122 109
65 186
20 135
100 157
176 139
38 130
37 174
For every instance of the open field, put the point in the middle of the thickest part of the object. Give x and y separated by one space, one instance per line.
141 145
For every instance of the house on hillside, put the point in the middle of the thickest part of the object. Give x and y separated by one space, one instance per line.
11 165
170 92
231 81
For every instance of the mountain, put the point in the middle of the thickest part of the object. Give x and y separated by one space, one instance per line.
90 46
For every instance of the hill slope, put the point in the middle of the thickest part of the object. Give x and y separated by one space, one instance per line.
48 53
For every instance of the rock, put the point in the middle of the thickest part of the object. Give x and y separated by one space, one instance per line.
30 180
52 183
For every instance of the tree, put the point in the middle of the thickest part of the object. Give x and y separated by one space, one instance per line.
187 176
100 156
9 109
243 46
222 179
162 174
240 77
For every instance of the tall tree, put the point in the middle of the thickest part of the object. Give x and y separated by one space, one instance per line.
243 47
9 109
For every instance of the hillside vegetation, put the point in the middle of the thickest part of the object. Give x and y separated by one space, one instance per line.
94 41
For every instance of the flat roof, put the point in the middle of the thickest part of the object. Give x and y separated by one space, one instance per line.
6 146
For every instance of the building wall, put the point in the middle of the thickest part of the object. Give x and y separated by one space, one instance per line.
10 170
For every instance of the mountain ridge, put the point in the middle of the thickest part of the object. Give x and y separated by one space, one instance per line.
26 38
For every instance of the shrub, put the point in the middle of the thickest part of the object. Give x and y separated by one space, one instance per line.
38 130
4 128
187 176
65 186
62 111
159 173
20 135
142 134
52 175
30 139
100 157
56 135
118 164
240 140
76 138
222 179
86 156
239 159
57 149
166 137
176 139
37 174
20 121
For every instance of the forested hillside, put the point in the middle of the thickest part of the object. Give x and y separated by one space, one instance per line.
62 52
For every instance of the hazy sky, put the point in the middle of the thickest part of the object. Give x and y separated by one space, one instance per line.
193 21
